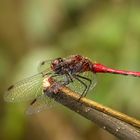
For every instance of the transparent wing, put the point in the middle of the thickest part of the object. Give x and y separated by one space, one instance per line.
45 66
86 78
88 81
39 104
25 90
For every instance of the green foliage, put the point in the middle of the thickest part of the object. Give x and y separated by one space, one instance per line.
32 31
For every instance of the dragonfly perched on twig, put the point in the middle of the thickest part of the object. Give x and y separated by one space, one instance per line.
75 72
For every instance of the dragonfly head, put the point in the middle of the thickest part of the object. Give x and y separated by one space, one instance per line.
56 65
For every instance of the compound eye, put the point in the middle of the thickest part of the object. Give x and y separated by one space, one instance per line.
57 61
60 59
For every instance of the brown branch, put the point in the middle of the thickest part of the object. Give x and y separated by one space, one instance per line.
119 125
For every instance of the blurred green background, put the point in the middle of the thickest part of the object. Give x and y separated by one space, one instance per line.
36 30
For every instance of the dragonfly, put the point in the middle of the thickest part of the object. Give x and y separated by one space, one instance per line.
75 72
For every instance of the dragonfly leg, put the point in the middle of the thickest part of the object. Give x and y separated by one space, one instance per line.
68 78
56 86
54 75
86 87
67 81
90 82
33 101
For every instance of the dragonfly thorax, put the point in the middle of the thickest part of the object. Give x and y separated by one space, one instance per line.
72 65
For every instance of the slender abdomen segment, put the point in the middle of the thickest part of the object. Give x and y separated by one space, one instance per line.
99 68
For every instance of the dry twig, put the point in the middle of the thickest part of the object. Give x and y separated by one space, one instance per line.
118 124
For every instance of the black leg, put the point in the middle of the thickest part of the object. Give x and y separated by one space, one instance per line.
33 102
90 82
85 90
68 78
54 75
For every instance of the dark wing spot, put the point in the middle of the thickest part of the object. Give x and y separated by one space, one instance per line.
43 62
12 86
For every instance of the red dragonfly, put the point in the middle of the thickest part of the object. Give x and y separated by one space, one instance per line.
76 72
